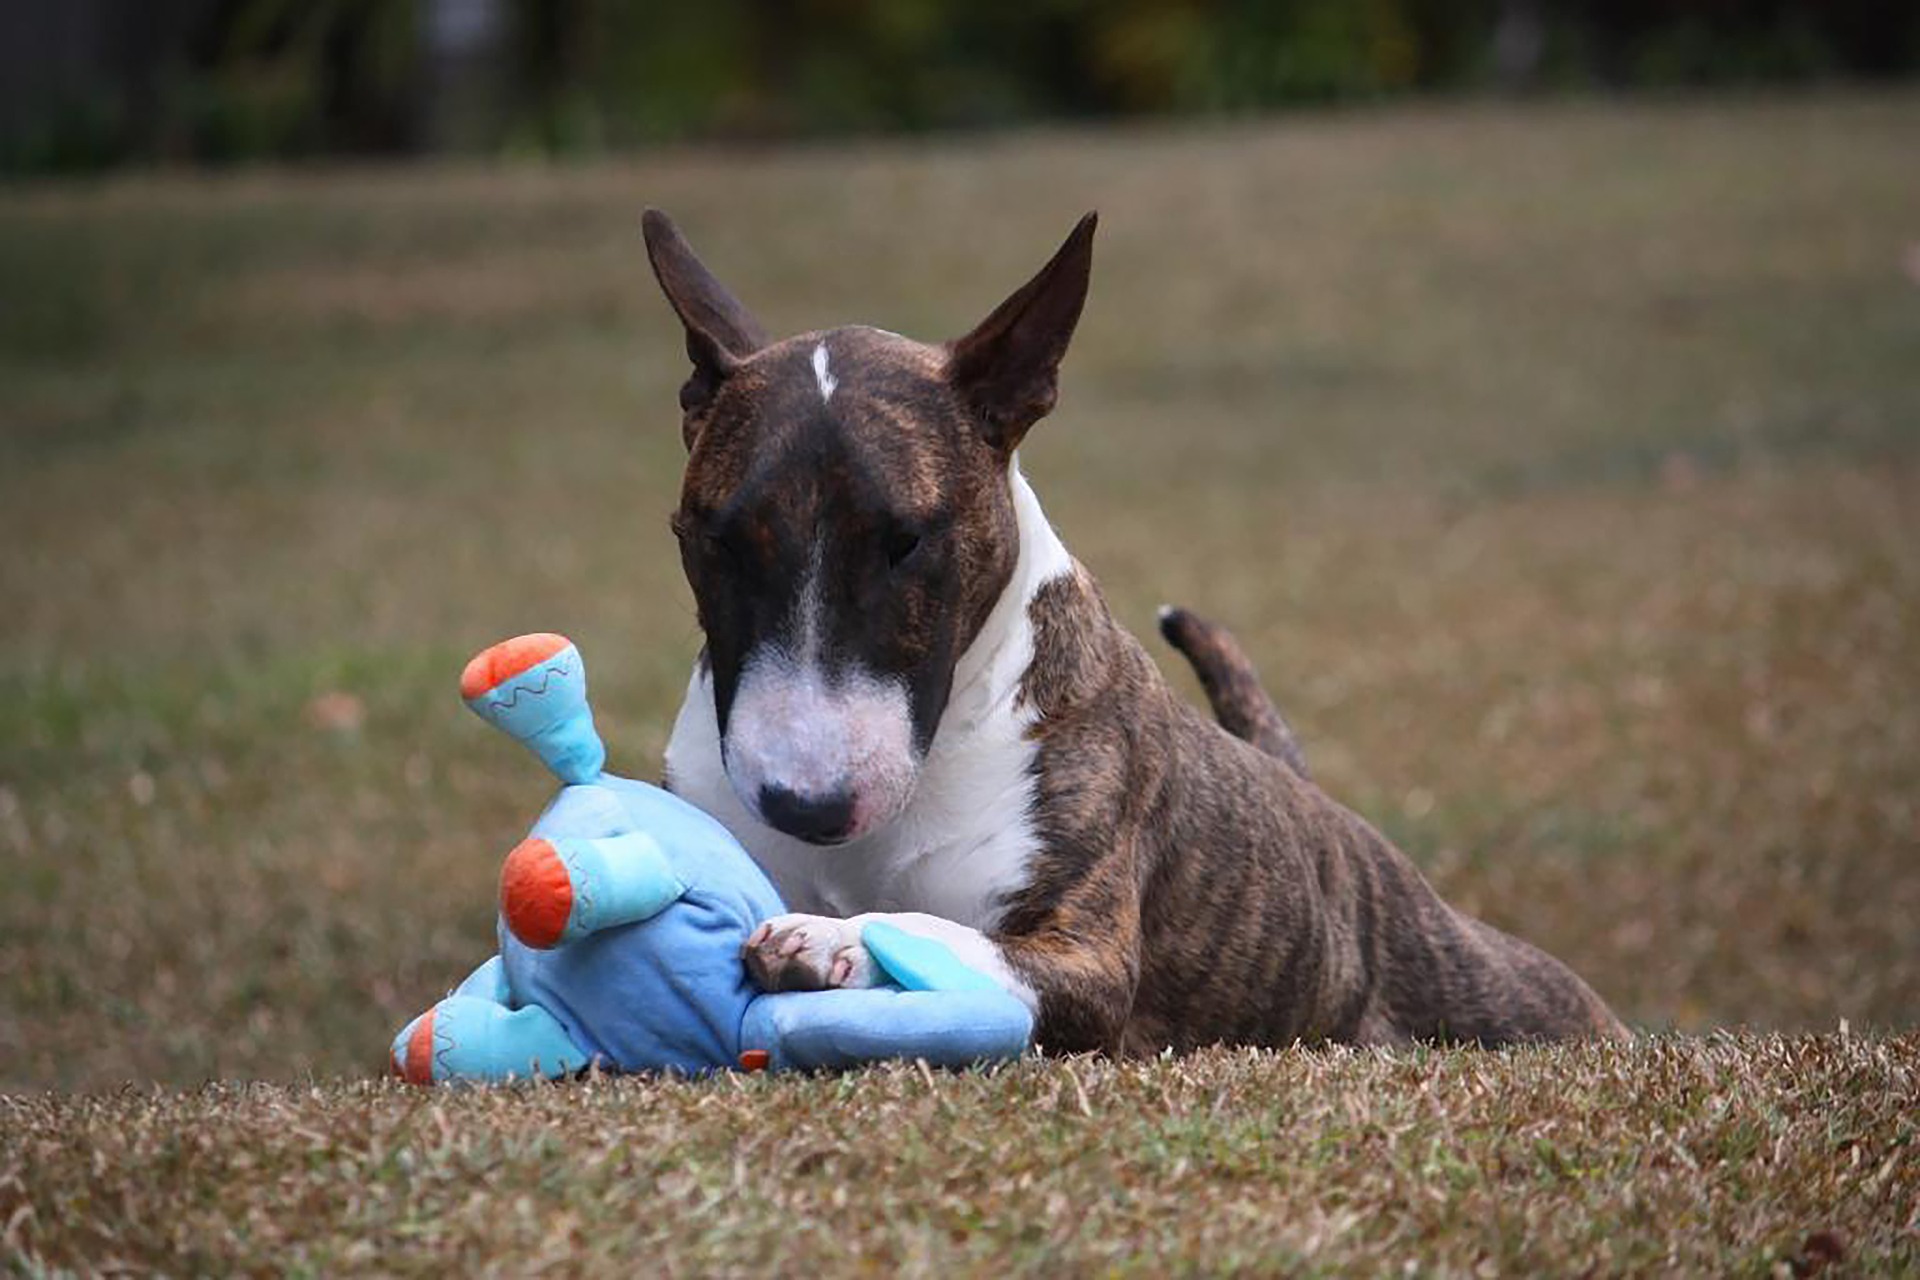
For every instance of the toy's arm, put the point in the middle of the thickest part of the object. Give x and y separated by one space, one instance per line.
919 963
833 1030
948 1014
557 890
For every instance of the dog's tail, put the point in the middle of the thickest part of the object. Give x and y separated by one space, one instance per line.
1233 687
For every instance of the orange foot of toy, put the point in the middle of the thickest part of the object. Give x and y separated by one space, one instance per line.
497 664
536 893
412 1055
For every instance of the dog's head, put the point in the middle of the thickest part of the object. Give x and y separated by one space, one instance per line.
847 524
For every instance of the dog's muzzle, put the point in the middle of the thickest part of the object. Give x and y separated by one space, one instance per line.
823 761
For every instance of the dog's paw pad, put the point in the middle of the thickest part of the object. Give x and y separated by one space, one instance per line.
807 953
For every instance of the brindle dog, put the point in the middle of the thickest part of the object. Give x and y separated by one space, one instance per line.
912 701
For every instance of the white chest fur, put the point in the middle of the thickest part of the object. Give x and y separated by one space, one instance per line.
965 839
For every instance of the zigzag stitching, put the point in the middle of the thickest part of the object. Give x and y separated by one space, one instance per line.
582 886
507 703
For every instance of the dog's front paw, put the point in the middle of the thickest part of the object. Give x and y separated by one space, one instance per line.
807 953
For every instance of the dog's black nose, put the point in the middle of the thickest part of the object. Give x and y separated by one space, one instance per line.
821 819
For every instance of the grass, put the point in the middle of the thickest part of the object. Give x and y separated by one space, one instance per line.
1740 1156
1557 465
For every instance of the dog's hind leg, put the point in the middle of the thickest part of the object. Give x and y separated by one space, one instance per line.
1233 687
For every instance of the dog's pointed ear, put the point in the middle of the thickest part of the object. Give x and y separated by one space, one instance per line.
720 332
1008 368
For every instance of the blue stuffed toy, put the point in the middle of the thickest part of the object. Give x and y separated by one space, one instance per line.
622 920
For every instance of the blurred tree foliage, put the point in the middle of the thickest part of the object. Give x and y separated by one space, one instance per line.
237 79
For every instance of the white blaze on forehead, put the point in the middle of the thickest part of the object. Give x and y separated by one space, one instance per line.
820 374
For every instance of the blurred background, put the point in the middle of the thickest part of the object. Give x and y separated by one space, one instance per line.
90 83
1535 388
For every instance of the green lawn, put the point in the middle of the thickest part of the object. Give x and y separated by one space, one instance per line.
1561 468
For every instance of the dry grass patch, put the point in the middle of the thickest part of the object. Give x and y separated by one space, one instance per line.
1730 1156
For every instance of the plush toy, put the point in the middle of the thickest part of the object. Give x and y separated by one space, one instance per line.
622 918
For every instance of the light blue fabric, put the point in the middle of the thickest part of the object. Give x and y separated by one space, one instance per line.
476 1039
616 880
488 982
920 964
834 1030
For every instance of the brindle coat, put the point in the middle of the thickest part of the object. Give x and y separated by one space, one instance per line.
1189 887
1139 930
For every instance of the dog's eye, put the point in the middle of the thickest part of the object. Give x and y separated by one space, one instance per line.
901 544
711 543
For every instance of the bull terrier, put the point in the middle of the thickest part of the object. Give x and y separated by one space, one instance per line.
914 703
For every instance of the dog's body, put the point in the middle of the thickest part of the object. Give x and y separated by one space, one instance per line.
913 701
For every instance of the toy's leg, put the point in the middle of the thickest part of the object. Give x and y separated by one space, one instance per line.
488 982
554 891
471 1039
535 689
